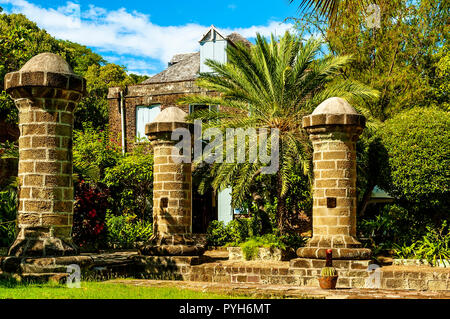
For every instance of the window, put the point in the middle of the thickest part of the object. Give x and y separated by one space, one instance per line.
197 107
224 208
144 115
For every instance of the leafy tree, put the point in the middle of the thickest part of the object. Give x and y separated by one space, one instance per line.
93 109
93 152
20 39
439 75
271 85
403 59
137 78
81 57
131 183
418 170
406 60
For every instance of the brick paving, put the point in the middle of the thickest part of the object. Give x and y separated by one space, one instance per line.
286 291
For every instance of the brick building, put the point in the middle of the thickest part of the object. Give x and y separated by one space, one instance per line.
132 107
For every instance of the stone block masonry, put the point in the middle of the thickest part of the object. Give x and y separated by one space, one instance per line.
334 127
300 272
46 92
172 190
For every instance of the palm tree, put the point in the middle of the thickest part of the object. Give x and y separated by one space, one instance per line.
329 8
270 85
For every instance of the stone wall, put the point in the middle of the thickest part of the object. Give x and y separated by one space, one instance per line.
296 273
300 272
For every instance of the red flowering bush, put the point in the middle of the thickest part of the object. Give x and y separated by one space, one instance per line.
90 208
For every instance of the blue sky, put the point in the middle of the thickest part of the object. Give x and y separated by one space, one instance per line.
144 35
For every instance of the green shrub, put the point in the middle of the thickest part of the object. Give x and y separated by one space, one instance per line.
251 246
250 249
232 234
130 183
405 251
433 246
125 230
128 178
216 234
9 150
8 212
238 231
391 225
94 152
418 171
293 240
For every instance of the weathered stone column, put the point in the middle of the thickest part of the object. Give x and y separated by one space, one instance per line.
334 128
172 190
46 91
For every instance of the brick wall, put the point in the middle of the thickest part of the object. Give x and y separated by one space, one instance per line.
165 94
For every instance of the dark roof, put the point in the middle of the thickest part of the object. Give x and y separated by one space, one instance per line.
182 67
236 37
186 66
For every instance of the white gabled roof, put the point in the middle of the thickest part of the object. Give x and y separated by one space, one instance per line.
208 36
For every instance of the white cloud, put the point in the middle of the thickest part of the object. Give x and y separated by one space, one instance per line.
121 32
134 65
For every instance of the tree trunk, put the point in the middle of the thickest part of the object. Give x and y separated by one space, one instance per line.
366 197
282 220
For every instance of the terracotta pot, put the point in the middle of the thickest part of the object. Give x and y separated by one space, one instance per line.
328 282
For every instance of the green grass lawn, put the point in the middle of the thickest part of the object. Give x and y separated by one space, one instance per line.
99 290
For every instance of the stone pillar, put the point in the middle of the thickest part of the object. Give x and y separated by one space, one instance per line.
46 91
334 128
172 190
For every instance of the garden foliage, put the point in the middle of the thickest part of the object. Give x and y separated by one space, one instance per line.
239 232
130 183
8 211
124 182
125 230
434 246
90 209
417 172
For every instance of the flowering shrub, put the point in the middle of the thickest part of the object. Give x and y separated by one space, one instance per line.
89 216
117 184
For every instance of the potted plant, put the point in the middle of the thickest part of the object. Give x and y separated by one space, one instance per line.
329 275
